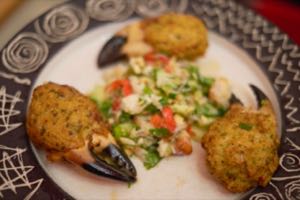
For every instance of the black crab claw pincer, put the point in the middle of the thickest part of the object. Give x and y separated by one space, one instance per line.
112 50
259 95
112 163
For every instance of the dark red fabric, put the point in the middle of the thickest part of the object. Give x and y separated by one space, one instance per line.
285 14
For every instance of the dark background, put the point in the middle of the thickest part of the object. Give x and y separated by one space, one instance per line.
283 13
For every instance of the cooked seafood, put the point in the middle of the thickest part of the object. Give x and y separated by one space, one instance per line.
242 146
179 35
158 105
68 126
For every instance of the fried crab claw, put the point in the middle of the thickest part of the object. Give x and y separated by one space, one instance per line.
68 126
242 146
179 35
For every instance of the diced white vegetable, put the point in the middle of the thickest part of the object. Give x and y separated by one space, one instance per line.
137 85
197 133
199 98
166 82
140 141
144 124
220 92
163 78
140 153
205 121
127 141
180 123
132 104
164 148
183 108
98 93
137 64
155 100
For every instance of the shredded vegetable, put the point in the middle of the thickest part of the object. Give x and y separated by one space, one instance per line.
159 105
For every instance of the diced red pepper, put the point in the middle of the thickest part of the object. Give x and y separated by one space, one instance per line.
168 68
189 130
116 104
169 121
126 87
166 120
156 121
152 57
122 84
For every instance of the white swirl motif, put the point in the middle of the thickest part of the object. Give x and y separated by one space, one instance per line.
262 196
25 53
62 23
110 10
152 8
290 162
292 190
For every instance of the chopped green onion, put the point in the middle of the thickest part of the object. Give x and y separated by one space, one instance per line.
193 71
147 90
164 101
159 132
151 109
154 74
208 110
245 126
124 117
172 96
152 158
206 81
104 107
122 130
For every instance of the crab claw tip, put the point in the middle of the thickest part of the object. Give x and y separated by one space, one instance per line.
233 99
259 94
112 163
120 159
112 50
101 168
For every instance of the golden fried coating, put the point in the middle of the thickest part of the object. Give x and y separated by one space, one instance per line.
183 36
242 147
60 118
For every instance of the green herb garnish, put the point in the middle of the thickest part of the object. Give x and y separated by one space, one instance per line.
151 109
245 126
208 110
147 90
105 107
122 129
124 117
164 101
159 132
152 158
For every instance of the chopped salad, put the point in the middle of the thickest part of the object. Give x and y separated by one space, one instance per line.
158 105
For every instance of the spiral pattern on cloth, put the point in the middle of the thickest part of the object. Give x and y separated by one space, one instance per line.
292 190
110 10
152 8
290 162
25 53
62 23
262 196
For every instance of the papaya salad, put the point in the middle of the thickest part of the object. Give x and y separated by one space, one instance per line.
158 105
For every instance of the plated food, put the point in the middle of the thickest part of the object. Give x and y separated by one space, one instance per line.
179 35
242 146
68 126
158 104
154 109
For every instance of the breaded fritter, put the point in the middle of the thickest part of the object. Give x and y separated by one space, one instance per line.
242 147
183 36
60 118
